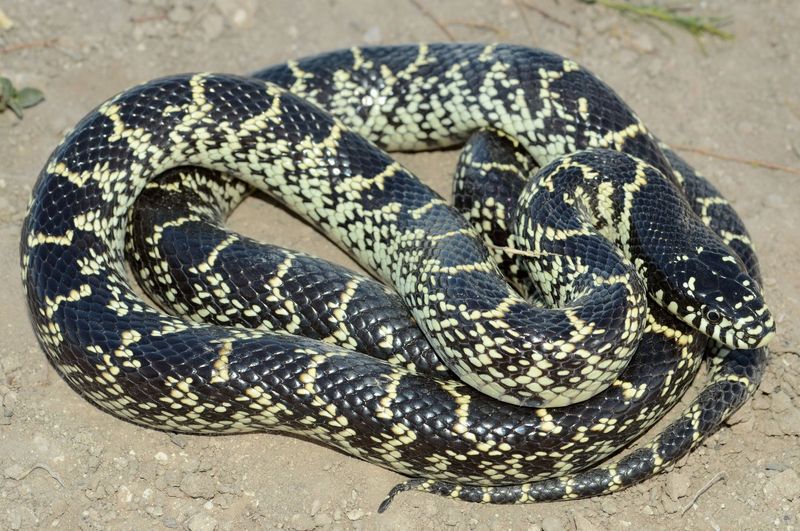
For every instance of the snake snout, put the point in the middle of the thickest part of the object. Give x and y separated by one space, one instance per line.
717 297
757 329
740 319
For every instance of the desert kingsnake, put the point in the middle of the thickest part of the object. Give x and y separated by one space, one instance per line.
173 374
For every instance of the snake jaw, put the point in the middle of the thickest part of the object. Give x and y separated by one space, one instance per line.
752 324
740 328
759 332
739 336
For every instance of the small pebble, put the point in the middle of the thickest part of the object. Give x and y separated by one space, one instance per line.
212 25
677 485
198 486
302 522
743 421
603 24
239 13
771 427
785 484
201 522
789 422
788 484
180 441
21 517
124 494
643 43
180 14
451 517
154 511
96 493
760 402
774 201
355 514
627 57
608 506
323 520
780 402
551 523
190 465
372 35
768 386
654 67
173 477
584 524
14 471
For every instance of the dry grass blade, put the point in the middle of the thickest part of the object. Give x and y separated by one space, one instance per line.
716 479
750 162
695 25
47 43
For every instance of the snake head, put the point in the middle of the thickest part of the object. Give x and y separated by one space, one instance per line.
711 291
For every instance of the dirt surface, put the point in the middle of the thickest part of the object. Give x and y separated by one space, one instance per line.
65 464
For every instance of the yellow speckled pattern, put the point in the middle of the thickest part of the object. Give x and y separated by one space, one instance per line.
180 374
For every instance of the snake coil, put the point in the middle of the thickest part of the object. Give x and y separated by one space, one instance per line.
445 403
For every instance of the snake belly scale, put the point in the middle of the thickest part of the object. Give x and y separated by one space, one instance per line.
170 373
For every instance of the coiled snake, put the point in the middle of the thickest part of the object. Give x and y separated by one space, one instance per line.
405 411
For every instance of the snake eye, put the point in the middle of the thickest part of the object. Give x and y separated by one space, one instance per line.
713 316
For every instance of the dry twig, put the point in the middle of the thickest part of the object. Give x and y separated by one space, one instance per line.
749 162
476 25
518 252
422 9
719 477
46 43
149 18
43 467
544 14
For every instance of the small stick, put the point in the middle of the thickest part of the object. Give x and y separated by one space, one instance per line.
520 252
719 477
47 43
477 25
518 4
43 467
546 15
749 162
433 19
149 18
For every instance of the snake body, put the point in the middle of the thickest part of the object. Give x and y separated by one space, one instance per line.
170 373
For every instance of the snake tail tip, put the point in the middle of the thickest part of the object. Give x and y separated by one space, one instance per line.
411 484
387 501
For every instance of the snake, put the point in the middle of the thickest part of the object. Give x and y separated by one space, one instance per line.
491 413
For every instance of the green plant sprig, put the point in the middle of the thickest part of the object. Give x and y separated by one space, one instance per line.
16 100
695 25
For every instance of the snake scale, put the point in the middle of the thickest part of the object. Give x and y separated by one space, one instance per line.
475 391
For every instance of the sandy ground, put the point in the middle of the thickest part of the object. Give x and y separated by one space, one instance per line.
65 464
